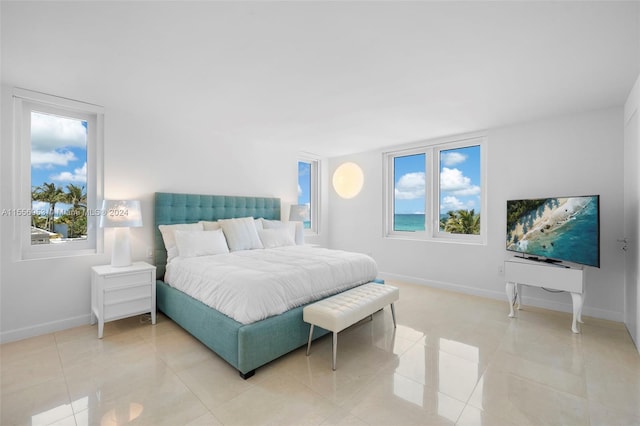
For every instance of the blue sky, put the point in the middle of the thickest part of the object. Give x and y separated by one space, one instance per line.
304 182
58 152
459 181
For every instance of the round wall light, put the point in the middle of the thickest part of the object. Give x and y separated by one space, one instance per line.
348 179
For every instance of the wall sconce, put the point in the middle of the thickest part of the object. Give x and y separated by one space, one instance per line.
348 180
121 214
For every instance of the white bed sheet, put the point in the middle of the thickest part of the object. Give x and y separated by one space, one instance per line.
251 285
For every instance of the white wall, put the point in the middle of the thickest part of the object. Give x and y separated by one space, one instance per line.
142 155
160 135
572 155
631 219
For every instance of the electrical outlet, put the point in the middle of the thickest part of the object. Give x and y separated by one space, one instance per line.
500 269
149 252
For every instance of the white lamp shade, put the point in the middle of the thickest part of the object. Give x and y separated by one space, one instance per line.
120 214
299 213
348 180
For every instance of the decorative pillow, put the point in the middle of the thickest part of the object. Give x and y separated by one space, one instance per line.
200 243
296 229
241 233
169 238
278 237
208 225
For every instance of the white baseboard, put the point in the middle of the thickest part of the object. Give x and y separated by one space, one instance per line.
40 329
501 295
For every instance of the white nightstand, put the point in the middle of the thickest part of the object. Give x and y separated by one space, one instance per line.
120 292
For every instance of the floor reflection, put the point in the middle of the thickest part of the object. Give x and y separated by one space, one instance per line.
434 369
448 369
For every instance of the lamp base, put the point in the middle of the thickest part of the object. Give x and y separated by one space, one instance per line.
121 254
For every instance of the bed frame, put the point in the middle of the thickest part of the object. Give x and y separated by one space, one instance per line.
245 347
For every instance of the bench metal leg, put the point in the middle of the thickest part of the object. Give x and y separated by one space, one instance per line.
335 349
393 315
309 342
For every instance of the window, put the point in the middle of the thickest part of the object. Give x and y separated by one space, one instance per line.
409 202
59 176
308 191
436 191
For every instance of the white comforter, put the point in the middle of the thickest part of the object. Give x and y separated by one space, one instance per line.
251 285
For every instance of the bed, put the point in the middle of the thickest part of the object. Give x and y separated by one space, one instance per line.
244 346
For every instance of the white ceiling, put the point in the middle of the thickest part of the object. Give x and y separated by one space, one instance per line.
340 77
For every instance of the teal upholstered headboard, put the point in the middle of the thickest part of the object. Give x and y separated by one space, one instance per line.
171 208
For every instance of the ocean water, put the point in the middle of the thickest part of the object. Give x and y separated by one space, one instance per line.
575 240
408 222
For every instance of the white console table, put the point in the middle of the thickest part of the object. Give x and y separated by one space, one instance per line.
519 271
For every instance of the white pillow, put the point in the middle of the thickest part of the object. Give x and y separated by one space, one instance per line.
296 229
200 243
278 237
213 225
208 225
241 234
170 240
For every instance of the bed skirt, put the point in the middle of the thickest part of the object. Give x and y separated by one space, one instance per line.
244 346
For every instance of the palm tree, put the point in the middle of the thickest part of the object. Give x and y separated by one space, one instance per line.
75 196
49 193
462 222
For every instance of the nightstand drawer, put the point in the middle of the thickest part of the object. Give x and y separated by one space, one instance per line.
124 293
126 308
144 277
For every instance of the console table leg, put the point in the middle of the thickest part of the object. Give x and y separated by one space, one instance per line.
511 293
518 293
576 298
582 296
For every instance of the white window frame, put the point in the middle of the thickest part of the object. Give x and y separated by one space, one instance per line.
24 102
432 152
314 197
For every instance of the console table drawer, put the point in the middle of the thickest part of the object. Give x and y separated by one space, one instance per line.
544 275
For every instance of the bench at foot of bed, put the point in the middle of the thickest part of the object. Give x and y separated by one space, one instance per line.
345 309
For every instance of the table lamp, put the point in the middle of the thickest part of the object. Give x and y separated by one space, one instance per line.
299 213
121 214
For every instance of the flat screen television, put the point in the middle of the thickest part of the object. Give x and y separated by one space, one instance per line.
556 229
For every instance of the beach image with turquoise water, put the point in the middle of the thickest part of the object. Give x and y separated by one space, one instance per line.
556 228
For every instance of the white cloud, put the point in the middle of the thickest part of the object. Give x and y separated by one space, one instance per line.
453 158
450 203
40 206
51 158
78 175
410 186
51 132
452 180
299 190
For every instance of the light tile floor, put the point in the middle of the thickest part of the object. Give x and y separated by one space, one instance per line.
454 359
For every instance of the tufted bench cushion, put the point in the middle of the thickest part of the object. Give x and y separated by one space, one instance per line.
345 309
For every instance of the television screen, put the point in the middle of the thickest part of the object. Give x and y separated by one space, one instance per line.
561 229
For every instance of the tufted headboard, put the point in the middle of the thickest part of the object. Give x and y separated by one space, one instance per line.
171 208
